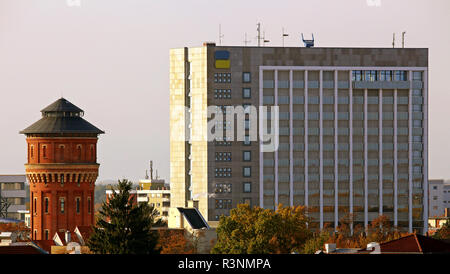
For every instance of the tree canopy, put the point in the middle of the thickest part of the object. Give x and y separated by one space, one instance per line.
261 231
125 227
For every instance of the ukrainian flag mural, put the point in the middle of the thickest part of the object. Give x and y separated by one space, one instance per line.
222 58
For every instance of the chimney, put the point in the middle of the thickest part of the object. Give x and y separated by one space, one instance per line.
67 238
330 248
193 203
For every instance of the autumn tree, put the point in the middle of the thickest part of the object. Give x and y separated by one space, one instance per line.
443 233
125 227
261 231
175 242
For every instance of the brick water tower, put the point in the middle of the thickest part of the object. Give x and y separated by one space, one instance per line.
62 168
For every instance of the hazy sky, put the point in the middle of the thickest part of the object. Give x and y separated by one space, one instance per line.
111 58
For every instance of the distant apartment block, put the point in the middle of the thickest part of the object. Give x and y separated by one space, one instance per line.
353 131
439 197
155 192
12 191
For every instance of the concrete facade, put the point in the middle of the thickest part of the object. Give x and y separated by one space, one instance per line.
353 126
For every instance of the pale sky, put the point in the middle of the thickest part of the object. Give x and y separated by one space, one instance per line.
111 58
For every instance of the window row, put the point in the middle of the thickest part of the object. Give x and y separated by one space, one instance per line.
383 75
222 77
222 93
62 205
223 156
223 203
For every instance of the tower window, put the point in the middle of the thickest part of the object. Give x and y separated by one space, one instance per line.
44 151
46 234
35 205
79 152
32 151
92 153
46 205
89 204
61 204
77 204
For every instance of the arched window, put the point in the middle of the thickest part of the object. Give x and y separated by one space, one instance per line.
35 205
32 151
44 151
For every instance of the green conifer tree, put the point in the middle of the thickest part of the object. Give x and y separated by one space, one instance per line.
123 227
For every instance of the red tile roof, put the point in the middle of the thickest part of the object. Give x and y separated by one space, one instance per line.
27 249
414 243
20 249
45 244
85 232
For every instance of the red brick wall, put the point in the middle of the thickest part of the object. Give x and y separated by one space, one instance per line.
68 163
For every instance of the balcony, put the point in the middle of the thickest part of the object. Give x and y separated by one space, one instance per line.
142 199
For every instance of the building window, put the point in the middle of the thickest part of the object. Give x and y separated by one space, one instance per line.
222 93
247 141
247 171
246 93
61 204
222 77
89 205
46 205
92 153
223 157
34 205
223 172
46 234
79 152
223 188
32 151
35 234
44 151
247 156
417 76
77 204
246 77
247 187
223 204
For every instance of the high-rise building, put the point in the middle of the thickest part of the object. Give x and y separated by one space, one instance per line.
352 131
62 168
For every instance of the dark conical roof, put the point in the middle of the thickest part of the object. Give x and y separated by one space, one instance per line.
62 117
62 105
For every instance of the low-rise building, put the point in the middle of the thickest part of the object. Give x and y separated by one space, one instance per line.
439 197
12 192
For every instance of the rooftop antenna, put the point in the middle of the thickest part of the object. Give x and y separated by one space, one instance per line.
393 40
151 170
220 35
258 30
403 39
308 43
283 35
245 39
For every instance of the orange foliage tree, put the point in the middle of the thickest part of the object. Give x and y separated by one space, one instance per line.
175 241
